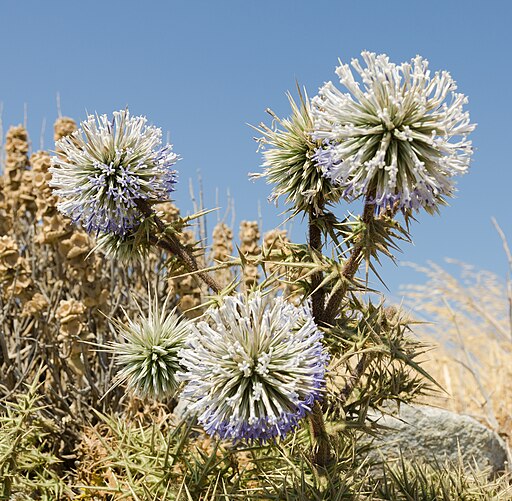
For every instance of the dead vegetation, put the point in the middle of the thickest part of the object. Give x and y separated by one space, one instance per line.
468 319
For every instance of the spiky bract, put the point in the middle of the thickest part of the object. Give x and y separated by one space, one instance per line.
148 355
289 163
399 140
255 367
129 247
102 170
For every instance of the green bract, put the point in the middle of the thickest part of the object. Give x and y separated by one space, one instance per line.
288 160
148 354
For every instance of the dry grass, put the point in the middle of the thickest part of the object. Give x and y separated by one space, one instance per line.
469 322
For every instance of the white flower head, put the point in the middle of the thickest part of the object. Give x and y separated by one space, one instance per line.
148 353
103 169
255 366
400 137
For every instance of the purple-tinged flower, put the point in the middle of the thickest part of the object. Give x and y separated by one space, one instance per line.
254 367
106 167
400 137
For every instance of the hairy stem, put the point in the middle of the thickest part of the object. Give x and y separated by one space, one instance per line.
321 455
334 303
349 269
321 443
356 375
171 244
318 296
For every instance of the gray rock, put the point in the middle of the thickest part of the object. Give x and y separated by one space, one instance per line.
182 410
433 434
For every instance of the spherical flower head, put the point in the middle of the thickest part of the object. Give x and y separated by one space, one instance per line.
254 367
107 166
289 164
398 139
148 353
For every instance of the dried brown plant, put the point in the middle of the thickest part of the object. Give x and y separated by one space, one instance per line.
468 319
249 247
56 295
222 250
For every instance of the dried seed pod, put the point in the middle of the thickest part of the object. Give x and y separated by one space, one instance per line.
17 179
15 271
77 246
275 244
249 247
16 159
71 316
63 126
46 201
35 306
53 229
167 211
5 214
222 249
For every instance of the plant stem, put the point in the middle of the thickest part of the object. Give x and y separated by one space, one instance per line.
171 244
334 303
349 269
321 443
318 296
321 455
356 374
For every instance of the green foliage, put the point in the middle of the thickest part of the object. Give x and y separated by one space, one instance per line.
158 462
29 466
302 262
161 462
367 240
375 361
414 481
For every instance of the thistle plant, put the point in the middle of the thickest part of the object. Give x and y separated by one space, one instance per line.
103 169
397 143
255 367
400 139
148 355
107 174
254 364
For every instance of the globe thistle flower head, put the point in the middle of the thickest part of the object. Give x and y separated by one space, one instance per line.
103 169
399 138
254 366
289 164
148 353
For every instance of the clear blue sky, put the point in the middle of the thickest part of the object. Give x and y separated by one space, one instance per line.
204 69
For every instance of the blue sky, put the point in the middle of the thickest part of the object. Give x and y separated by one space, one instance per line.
203 70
